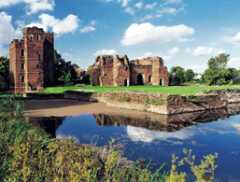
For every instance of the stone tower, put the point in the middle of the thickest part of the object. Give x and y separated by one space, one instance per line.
31 61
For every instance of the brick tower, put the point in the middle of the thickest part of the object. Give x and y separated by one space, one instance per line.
31 61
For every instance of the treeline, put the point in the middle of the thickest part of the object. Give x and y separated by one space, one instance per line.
217 73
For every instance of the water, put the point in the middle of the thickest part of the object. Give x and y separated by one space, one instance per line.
156 138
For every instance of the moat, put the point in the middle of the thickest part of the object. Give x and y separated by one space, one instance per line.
155 138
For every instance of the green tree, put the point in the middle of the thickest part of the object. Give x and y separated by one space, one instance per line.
4 72
233 75
217 72
189 75
64 70
177 75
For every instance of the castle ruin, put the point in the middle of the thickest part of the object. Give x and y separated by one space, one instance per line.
115 70
32 61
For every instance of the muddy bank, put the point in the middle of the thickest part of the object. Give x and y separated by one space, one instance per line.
72 102
70 107
155 103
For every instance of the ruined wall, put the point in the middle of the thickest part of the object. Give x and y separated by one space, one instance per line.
121 71
152 70
32 61
16 55
140 74
118 71
110 70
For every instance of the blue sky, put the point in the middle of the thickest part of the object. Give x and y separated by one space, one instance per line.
183 32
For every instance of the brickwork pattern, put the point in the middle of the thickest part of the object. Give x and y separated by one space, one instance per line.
31 61
114 70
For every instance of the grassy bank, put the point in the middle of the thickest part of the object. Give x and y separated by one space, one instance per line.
179 90
27 153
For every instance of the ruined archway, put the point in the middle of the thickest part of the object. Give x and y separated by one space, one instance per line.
140 79
161 82
125 83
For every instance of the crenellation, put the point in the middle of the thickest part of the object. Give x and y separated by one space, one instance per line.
31 60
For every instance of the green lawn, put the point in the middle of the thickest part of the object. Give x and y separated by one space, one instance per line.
181 90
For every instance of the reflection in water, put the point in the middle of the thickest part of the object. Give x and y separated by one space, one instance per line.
161 122
145 135
49 124
144 125
156 137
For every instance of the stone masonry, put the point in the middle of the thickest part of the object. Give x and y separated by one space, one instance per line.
115 70
32 61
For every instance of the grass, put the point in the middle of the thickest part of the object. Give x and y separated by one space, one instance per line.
179 90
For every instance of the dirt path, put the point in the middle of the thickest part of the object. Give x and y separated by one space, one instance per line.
61 107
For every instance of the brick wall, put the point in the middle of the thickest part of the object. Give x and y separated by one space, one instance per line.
31 61
118 71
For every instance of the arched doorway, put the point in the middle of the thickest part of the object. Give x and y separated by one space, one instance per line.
125 83
140 79
161 82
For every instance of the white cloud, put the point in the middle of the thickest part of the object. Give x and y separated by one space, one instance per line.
142 8
161 12
174 51
145 55
206 51
33 6
234 62
66 25
234 39
129 10
6 3
139 5
147 32
105 52
168 11
144 135
150 6
91 27
124 2
174 1
7 31
150 17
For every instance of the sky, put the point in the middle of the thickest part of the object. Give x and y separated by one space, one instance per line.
183 32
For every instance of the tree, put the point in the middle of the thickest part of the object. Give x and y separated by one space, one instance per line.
177 75
217 72
64 71
189 75
4 72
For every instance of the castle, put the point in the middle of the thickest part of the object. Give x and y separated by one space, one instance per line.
32 65
32 61
119 71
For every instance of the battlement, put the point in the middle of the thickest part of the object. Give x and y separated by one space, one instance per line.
31 60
